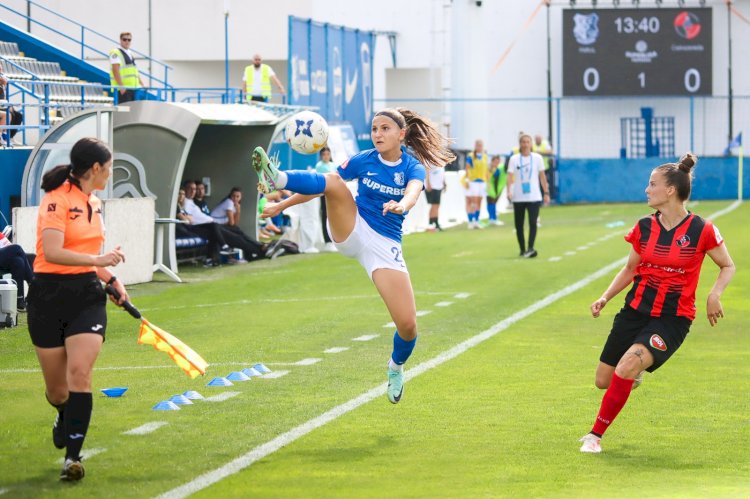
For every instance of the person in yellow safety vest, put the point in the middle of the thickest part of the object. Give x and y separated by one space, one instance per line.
122 70
256 81
543 147
477 174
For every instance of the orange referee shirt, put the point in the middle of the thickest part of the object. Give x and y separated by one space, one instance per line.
78 217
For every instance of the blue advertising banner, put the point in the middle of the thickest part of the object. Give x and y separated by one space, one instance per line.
331 68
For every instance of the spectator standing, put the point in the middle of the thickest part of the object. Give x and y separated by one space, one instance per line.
543 147
434 188
495 185
256 81
476 174
4 106
325 165
66 303
526 189
123 72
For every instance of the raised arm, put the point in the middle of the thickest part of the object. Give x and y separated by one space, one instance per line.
413 190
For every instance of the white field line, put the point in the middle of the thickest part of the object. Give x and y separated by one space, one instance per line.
462 295
335 349
444 304
288 300
3 491
205 480
146 428
258 453
275 374
366 337
221 397
422 313
85 454
390 325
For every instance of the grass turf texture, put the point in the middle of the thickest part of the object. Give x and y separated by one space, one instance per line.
502 419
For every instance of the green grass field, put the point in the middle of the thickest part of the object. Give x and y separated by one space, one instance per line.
500 419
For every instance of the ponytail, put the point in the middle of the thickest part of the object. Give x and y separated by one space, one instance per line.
680 175
429 145
84 154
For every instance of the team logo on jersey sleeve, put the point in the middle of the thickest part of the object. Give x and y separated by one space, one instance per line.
658 343
52 207
398 178
717 235
684 241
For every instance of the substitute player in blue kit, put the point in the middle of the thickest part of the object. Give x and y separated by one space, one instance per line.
390 180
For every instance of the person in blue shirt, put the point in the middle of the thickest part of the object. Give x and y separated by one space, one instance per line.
390 180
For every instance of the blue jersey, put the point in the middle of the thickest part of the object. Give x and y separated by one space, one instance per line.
381 181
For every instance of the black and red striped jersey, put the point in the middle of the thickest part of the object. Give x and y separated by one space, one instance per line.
665 280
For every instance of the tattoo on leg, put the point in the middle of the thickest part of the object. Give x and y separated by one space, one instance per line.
638 352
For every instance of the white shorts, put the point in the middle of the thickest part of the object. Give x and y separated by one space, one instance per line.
372 250
476 190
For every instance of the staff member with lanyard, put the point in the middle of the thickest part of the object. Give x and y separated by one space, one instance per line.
66 303
526 187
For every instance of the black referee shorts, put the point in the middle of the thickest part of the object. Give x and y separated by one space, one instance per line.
433 197
661 335
64 305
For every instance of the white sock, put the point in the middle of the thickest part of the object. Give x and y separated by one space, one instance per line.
281 180
395 367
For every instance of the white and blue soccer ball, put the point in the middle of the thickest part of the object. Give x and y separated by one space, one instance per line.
307 132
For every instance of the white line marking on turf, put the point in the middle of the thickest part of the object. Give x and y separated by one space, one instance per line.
582 248
221 397
307 362
3 491
570 253
366 337
336 350
422 313
555 258
86 454
275 374
462 295
236 465
146 428
390 325
444 304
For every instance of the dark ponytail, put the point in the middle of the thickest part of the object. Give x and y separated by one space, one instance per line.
680 175
84 154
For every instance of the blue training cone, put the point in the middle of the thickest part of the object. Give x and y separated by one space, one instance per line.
219 382
180 399
193 395
166 405
252 372
238 376
261 368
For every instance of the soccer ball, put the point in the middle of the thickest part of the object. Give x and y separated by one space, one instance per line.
307 132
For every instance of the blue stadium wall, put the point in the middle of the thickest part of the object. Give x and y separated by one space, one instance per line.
624 180
13 162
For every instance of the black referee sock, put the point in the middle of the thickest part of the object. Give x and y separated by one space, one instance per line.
60 407
77 418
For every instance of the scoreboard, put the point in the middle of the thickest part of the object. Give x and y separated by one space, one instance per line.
637 51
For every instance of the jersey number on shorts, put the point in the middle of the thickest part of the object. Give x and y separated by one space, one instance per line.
396 254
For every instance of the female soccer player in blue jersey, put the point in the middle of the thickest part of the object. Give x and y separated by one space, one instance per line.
390 180
664 265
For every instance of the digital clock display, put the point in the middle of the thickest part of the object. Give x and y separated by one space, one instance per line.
637 52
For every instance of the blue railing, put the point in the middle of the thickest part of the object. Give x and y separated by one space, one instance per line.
86 34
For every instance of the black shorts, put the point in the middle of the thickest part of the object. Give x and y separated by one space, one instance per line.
433 197
64 305
661 335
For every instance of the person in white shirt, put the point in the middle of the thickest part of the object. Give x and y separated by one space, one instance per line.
228 211
526 187
434 188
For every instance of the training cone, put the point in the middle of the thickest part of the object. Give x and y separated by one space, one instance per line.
166 405
193 395
238 376
252 372
261 368
181 400
219 382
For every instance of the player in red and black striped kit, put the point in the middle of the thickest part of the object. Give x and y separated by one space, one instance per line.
664 265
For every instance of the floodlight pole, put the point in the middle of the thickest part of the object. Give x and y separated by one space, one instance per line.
549 79
226 51
729 69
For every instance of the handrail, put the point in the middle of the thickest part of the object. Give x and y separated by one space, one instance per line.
84 45
8 61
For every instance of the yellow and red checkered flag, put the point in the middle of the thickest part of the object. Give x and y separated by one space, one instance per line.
182 355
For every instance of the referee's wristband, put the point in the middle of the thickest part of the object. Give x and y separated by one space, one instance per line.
111 280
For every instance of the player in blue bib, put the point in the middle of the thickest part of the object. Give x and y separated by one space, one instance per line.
369 228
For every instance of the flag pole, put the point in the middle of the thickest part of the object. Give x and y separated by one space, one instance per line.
739 175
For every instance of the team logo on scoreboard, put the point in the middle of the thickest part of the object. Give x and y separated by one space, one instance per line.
641 54
687 25
586 29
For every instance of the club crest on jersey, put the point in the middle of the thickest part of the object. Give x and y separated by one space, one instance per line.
684 241
398 178
52 207
658 343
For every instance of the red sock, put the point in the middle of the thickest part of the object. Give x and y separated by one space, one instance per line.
612 403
